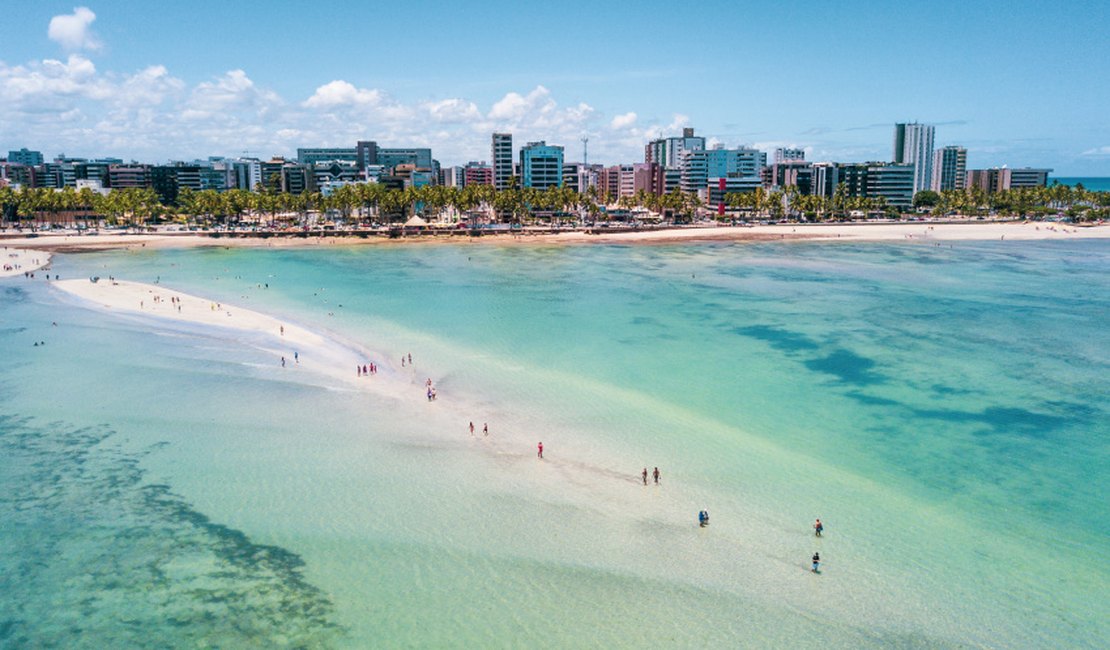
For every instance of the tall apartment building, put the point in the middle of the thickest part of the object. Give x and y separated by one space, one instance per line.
787 173
949 169
124 176
699 165
1025 177
25 156
913 145
668 151
311 156
477 173
998 179
541 165
501 154
893 182
785 154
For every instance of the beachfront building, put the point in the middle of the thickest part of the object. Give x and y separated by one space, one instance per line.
699 165
1025 177
609 182
892 182
368 153
787 154
541 165
297 178
668 151
648 177
789 173
501 154
477 173
999 179
949 168
245 173
451 176
125 176
913 145
25 156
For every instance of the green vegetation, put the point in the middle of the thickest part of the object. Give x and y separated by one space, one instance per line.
378 204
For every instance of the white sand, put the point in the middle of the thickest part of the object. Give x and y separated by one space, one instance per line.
900 231
135 297
312 358
17 261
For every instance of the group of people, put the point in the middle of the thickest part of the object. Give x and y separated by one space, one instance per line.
431 389
655 475
366 369
485 429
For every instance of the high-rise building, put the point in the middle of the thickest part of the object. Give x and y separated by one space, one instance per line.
25 157
648 177
949 168
913 145
477 173
699 165
541 165
784 154
787 173
501 153
668 151
316 155
1025 177
894 183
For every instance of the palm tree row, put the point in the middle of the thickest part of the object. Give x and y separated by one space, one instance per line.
380 204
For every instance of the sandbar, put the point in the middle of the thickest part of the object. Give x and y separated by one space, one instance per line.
17 261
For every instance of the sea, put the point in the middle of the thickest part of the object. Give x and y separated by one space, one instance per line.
941 408
1093 183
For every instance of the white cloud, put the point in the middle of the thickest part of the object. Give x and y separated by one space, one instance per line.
453 111
1097 151
153 116
342 93
623 121
72 31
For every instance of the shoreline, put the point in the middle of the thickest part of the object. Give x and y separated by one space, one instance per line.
16 261
861 232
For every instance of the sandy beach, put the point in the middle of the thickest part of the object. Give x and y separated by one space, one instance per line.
882 232
17 261
139 298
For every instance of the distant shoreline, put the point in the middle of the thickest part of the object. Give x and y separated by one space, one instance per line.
892 231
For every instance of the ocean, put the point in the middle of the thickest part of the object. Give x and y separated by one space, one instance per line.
1094 183
942 409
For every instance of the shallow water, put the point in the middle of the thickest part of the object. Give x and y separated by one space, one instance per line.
941 409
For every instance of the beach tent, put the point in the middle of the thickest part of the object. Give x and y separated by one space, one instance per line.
415 222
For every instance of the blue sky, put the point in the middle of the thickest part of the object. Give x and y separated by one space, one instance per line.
1021 84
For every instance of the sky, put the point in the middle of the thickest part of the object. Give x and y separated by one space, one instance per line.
1018 84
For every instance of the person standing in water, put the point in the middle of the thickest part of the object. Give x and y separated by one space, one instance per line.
817 563
818 528
471 428
485 428
539 452
644 475
656 475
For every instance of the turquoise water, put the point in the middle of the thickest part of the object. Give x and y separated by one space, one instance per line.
1094 183
941 409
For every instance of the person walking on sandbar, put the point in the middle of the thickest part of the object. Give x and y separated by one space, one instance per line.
644 474
818 528
656 475
539 450
817 563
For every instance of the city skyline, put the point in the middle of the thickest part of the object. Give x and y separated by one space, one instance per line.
116 79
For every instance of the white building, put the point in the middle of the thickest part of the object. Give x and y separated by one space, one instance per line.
913 145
